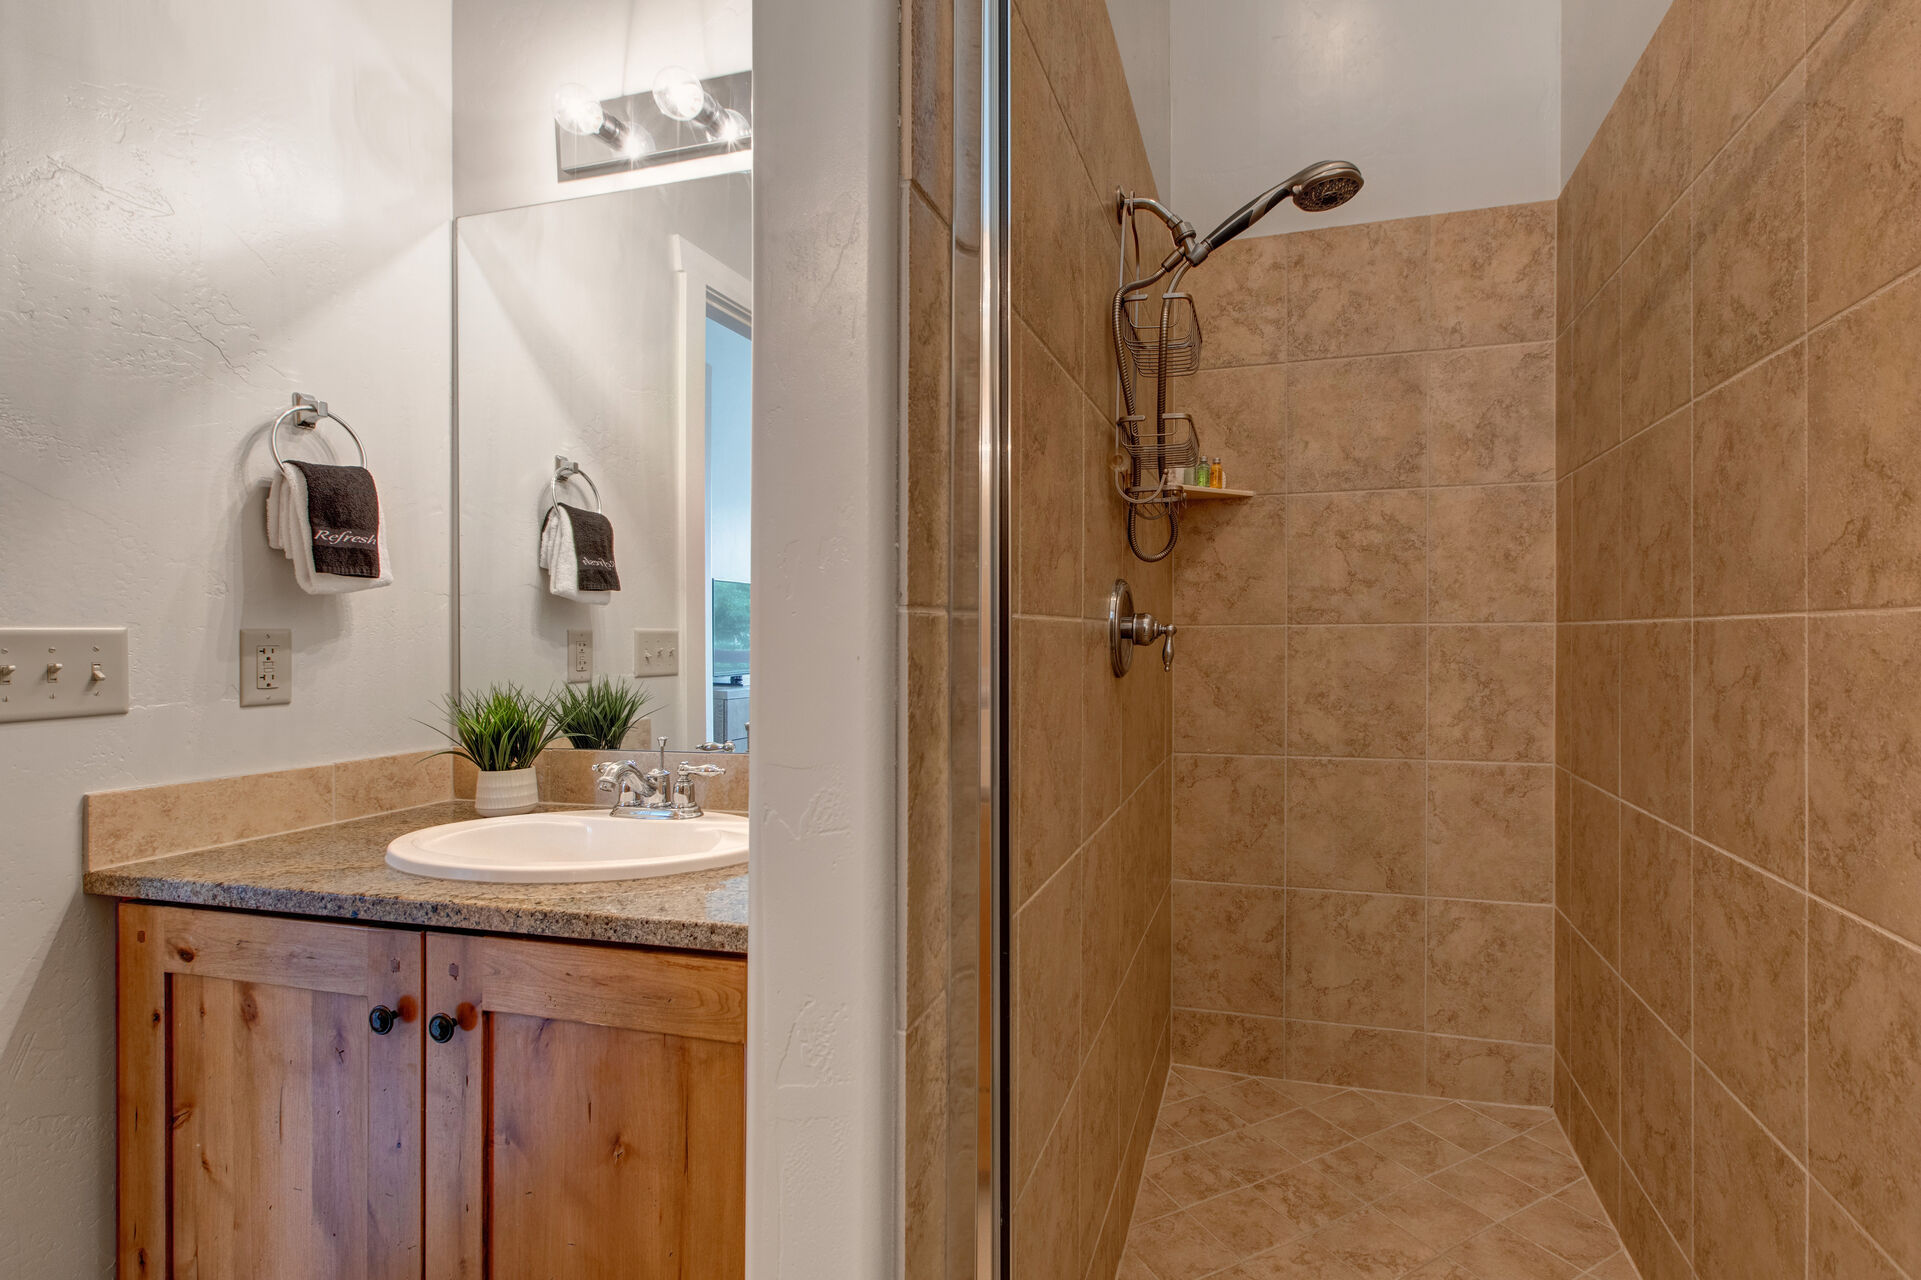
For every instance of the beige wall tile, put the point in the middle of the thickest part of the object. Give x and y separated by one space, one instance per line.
1047 477
1049 220
1864 447
1864 767
1864 100
1590 225
1864 1023
1490 831
127 826
1490 415
1750 491
930 100
930 375
1357 557
1359 290
1592 361
1354 958
1484 963
1594 568
1655 141
1241 414
1230 1042
1656 520
924 1157
1239 294
1356 691
1655 319
1656 718
1492 558
1656 916
1050 1195
1587 1029
1046 963
1355 824
927 855
385 783
1657 1115
1749 1218
1588 868
1837 1248
1490 693
1750 278
1359 1057
1227 947
1045 749
1742 49
1588 702
1490 1071
1750 990
1227 566
1230 687
1750 740
1100 728
1494 276
1229 816
1358 424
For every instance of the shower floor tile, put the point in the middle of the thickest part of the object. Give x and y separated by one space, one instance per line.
1255 1179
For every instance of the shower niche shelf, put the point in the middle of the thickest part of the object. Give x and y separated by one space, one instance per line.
1195 492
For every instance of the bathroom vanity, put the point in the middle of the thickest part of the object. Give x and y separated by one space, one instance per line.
328 1068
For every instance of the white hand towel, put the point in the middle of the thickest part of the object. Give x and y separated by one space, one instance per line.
296 540
562 563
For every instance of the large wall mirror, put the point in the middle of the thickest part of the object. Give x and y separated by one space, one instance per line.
604 357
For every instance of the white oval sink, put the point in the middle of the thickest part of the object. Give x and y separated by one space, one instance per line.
570 846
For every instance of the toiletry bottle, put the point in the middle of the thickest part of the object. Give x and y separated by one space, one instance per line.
1204 474
1220 475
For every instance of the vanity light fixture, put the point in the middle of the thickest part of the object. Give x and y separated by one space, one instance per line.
681 118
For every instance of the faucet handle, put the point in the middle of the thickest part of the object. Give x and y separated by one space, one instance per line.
690 770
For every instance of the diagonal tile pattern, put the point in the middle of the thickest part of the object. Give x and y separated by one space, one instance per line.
1250 1178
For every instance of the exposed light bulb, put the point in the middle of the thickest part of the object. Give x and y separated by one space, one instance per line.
577 110
678 94
732 127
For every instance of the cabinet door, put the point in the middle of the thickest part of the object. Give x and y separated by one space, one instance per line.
265 1129
587 1118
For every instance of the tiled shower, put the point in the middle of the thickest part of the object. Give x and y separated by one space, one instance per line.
1540 772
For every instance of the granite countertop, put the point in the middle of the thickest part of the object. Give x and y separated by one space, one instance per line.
340 871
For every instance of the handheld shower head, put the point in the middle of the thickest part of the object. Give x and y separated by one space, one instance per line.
1315 189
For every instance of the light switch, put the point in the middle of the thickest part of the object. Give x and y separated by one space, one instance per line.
656 653
580 656
51 673
266 667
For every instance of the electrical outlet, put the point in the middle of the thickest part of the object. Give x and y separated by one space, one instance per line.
656 653
580 656
266 667
51 673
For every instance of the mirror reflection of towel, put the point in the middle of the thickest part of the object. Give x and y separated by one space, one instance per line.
577 551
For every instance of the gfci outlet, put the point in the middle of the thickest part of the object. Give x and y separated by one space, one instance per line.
656 653
266 667
580 657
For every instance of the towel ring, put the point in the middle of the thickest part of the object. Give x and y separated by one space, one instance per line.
566 469
306 413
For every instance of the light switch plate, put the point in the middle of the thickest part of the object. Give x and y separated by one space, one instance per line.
51 673
266 667
580 656
656 653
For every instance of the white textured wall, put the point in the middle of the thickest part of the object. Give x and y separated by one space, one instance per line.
510 56
1142 31
1444 106
1601 40
823 1075
202 207
569 320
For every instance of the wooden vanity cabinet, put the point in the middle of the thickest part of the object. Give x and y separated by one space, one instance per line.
534 1108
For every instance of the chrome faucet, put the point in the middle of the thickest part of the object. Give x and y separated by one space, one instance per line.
637 793
686 805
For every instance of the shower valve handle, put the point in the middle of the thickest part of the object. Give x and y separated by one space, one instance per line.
1127 631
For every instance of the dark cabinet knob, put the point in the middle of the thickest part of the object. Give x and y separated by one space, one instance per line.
381 1019
441 1028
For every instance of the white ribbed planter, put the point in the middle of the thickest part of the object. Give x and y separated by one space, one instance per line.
505 792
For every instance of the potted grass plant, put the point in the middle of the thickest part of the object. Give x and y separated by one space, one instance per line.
501 732
599 715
